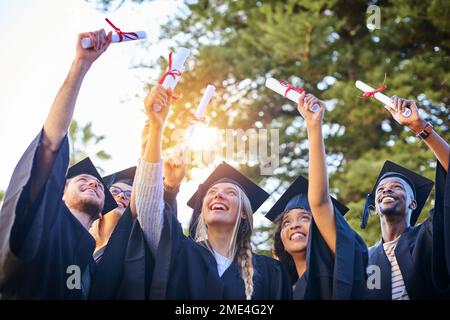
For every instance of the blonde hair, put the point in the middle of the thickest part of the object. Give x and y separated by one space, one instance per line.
240 245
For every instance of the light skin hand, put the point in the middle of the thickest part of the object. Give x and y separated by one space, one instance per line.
100 41
174 168
158 95
152 136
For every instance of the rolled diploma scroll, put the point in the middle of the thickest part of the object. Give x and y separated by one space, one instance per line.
209 93
292 95
157 107
380 97
178 64
86 42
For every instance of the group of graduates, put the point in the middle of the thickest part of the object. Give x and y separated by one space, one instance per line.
72 234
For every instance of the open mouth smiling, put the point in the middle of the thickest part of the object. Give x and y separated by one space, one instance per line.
297 235
387 199
218 206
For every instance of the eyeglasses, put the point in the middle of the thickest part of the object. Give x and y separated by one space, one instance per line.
116 191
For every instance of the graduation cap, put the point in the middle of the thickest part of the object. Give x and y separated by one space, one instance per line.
127 174
225 173
86 166
296 196
420 186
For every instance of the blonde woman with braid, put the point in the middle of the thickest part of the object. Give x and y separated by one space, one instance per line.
216 261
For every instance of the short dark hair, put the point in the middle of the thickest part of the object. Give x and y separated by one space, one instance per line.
125 181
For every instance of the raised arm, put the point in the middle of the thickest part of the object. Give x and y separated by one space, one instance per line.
144 140
318 191
416 124
174 170
61 113
148 190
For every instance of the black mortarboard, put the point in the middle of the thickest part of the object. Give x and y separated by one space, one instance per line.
225 173
127 174
86 166
420 185
296 196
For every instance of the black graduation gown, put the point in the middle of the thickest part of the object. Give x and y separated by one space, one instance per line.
441 233
121 273
422 252
126 268
39 241
191 271
342 277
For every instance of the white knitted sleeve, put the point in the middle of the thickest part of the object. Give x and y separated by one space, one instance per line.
150 201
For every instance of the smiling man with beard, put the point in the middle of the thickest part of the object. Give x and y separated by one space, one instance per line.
50 237
413 261
45 247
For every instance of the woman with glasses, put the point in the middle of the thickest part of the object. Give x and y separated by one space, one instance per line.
120 187
119 274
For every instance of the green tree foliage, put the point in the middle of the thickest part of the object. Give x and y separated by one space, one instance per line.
81 138
324 47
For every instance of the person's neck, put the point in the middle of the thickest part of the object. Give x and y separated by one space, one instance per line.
100 243
84 218
300 262
392 227
106 226
220 241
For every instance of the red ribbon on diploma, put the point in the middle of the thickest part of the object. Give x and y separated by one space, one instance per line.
368 94
128 35
198 120
173 73
187 115
289 87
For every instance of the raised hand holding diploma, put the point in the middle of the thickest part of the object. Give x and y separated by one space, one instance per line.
369 91
209 93
413 121
171 77
305 105
87 43
162 97
120 36
100 41
286 89
174 169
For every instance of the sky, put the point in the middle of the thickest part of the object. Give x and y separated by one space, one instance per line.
37 47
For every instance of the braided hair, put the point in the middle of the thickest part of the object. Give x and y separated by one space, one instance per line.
240 246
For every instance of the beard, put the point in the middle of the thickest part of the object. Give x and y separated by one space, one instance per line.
395 210
87 205
91 207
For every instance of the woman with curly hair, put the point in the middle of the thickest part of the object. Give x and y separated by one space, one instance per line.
325 258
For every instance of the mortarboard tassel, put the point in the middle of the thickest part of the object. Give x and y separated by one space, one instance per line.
197 211
366 212
110 181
